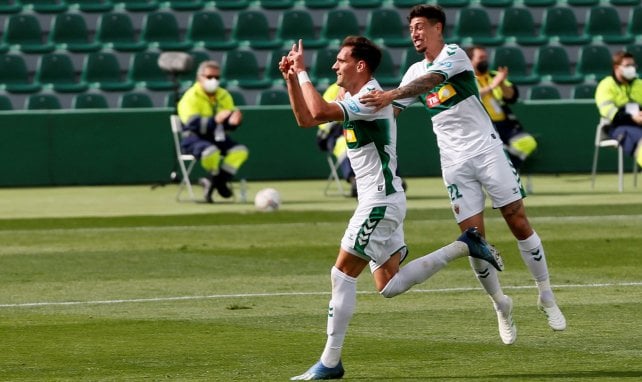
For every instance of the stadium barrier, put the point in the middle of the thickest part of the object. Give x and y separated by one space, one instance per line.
80 147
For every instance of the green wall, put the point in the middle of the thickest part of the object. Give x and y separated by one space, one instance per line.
73 147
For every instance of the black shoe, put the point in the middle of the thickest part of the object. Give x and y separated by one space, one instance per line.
221 183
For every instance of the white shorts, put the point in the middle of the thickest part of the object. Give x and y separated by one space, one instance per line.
491 171
375 231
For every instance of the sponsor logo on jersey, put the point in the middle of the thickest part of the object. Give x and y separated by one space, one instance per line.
352 106
350 136
446 64
456 208
440 96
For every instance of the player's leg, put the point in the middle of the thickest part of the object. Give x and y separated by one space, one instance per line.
468 202
340 310
501 181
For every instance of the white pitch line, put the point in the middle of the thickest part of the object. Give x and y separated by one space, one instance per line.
288 294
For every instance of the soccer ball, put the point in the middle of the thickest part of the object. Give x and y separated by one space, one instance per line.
267 199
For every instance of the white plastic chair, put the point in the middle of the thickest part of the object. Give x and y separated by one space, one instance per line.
186 162
334 178
602 140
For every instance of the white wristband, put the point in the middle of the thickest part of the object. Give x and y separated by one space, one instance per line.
303 77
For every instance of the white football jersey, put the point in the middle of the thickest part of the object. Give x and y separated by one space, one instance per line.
371 137
459 120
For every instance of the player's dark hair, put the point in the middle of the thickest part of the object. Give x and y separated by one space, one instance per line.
471 49
433 13
364 49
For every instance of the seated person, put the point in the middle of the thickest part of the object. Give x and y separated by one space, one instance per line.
330 139
496 92
208 114
618 98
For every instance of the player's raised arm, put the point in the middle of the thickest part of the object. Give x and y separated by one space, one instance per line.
379 99
299 108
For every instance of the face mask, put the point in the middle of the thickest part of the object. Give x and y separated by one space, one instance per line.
629 72
210 85
482 67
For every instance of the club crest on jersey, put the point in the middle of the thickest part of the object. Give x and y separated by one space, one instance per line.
350 136
440 96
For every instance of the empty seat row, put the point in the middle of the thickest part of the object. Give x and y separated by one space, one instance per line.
57 6
160 30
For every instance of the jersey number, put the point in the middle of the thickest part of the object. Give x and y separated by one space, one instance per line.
454 192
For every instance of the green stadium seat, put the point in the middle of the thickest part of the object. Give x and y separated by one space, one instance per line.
276 4
385 26
636 51
584 91
42 102
540 3
634 27
604 23
5 103
625 3
251 28
543 92
365 3
232 4
297 24
496 3
69 31
160 30
102 70
45 6
321 4
23 32
473 26
594 62
186 5
89 101
386 73
241 68
135 100
409 57
206 30
321 72
144 71
10 6
407 3
272 71
339 23
560 24
582 3
552 63
91 6
139 5
270 97
14 77
518 25
115 30
56 71
453 3
197 57
238 97
513 58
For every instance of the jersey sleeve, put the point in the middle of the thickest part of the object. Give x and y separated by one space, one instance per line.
354 110
451 62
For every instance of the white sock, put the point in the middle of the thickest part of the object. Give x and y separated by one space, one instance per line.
419 270
533 255
340 311
488 278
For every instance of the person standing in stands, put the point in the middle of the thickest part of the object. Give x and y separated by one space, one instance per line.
618 98
208 115
496 93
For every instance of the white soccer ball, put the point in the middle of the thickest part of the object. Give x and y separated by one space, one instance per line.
267 199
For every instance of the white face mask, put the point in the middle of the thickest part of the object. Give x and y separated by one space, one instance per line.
629 72
210 85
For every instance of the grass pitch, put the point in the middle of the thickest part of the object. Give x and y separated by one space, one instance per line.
125 284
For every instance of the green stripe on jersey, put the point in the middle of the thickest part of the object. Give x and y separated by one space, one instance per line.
465 86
